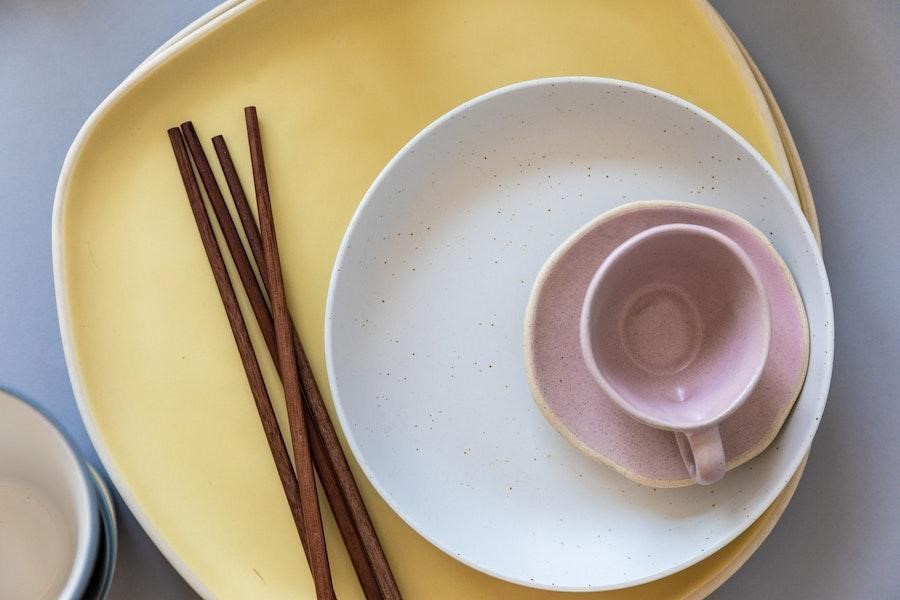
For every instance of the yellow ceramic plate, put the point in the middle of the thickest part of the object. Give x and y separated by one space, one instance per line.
150 354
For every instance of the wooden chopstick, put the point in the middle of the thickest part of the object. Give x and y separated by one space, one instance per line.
323 461
255 293
314 543
241 336
339 485
290 376
316 406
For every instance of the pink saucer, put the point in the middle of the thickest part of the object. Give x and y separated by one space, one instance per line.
577 407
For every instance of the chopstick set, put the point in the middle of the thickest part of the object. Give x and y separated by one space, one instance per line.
314 442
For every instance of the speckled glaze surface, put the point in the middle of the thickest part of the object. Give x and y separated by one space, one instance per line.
423 330
587 415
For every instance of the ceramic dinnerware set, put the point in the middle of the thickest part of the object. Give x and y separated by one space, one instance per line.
664 337
663 392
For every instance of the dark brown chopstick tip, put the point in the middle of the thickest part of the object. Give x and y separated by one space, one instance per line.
175 138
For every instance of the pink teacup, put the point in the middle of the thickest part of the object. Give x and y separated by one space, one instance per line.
676 328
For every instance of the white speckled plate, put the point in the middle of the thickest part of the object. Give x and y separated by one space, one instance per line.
424 330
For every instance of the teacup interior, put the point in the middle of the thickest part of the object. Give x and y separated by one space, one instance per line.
44 505
678 325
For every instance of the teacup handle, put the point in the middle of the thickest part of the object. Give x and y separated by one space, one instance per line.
703 454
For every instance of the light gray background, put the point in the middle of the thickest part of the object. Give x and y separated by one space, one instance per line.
835 68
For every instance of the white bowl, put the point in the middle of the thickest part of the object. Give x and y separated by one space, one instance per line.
49 521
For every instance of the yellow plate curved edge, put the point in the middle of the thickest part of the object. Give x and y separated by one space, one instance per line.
95 394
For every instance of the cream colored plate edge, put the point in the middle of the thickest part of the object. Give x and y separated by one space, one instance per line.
198 28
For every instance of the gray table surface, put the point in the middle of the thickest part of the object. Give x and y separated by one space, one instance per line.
835 68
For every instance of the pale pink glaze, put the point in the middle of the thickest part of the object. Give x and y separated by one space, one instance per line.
675 326
574 403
